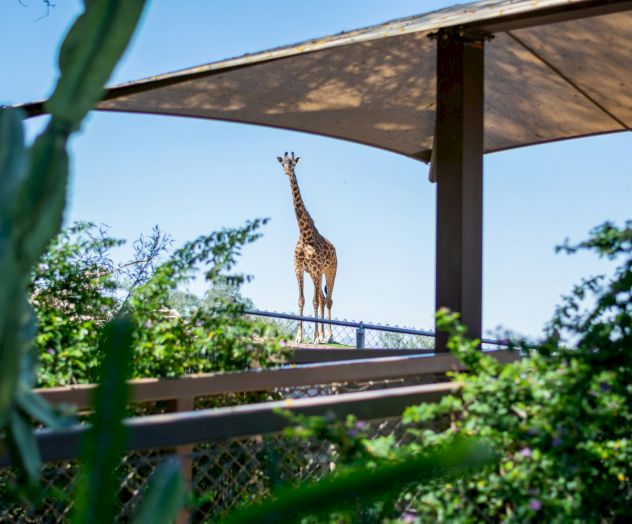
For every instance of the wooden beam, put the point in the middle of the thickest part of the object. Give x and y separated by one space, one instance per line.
549 15
459 172
207 384
180 429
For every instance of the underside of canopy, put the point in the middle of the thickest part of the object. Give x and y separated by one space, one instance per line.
566 77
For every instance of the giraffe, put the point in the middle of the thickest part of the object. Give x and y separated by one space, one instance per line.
314 255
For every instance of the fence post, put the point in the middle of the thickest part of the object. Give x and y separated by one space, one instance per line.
183 453
360 336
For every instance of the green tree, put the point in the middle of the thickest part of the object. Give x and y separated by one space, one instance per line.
216 336
227 288
78 287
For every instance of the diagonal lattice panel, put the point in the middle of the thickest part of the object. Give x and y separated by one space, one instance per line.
59 479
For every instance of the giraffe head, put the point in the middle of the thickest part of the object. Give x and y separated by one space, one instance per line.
288 162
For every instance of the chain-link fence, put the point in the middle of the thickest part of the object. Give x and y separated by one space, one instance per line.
348 334
359 335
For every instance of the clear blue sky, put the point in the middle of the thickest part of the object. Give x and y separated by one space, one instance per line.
192 176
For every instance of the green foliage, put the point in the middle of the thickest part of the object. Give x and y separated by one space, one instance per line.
89 53
349 436
363 484
12 168
97 486
74 292
77 287
164 497
215 336
561 418
32 201
226 288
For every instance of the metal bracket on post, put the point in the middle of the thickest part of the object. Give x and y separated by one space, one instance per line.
470 35
360 336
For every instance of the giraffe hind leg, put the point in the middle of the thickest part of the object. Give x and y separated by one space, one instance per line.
317 279
321 303
330 278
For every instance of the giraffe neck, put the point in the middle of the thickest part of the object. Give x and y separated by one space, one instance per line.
305 223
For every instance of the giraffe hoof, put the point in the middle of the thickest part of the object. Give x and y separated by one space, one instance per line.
298 339
330 340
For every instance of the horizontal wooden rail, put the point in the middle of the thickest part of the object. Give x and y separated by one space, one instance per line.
189 387
178 429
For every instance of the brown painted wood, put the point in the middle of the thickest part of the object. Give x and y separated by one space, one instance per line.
183 453
182 405
551 15
179 429
459 172
191 386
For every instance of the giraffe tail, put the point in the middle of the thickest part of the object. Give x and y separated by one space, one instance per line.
325 290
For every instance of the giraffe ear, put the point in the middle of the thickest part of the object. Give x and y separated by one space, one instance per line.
296 160
280 160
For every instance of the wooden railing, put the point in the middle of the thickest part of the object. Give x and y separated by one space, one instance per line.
184 426
173 430
179 430
183 391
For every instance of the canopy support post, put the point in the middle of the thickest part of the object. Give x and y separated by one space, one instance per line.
459 172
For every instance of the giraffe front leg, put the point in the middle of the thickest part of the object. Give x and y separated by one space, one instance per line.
317 279
301 303
330 335
316 336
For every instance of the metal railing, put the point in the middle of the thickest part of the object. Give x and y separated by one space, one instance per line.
363 335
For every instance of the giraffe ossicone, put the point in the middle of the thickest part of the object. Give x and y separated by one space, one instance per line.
314 255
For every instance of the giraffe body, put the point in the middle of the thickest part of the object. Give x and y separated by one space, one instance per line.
314 255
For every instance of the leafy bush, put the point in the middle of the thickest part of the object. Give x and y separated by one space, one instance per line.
560 418
73 291
32 199
351 490
77 288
